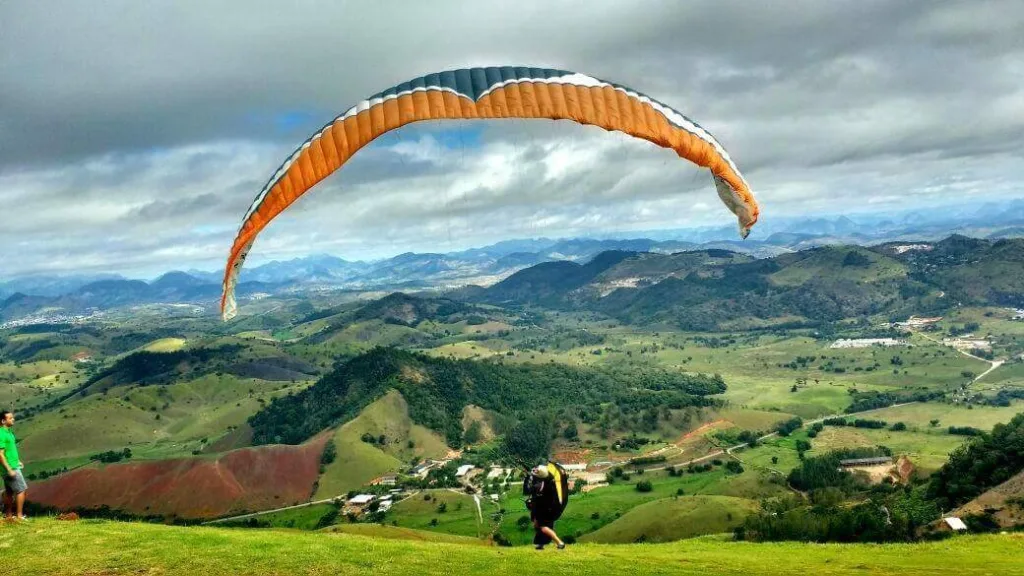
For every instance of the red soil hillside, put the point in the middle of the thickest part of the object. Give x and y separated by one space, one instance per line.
238 481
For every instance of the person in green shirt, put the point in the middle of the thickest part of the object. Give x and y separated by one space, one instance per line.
14 481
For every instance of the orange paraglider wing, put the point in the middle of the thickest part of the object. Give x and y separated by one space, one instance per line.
486 93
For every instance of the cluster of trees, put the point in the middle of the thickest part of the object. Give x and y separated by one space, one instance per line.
966 328
560 339
646 460
1005 396
863 401
987 461
329 454
824 471
143 368
437 390
789 426
965 431
111 456
630 443
371 439
844 509
44 474
887 515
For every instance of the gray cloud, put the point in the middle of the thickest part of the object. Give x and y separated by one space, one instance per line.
134 135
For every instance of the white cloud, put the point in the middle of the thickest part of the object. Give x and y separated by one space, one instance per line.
136 143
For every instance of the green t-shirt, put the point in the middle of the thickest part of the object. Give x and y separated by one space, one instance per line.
9 445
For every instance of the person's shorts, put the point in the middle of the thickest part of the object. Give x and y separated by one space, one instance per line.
543 520
15 484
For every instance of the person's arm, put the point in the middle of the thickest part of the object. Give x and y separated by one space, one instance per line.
3 459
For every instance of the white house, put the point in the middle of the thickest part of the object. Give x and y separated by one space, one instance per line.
463 470
579 467
955 524
361 499
497 472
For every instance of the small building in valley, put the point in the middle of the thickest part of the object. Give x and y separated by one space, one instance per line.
874 461
881 469
360 500
498 472
953 524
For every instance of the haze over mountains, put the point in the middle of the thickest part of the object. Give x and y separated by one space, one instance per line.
489 265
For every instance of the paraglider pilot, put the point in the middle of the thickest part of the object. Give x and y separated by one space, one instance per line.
547 491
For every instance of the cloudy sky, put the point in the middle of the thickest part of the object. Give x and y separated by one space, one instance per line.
134 135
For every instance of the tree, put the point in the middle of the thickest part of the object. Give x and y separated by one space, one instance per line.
530 439
472 435
644 486
329 454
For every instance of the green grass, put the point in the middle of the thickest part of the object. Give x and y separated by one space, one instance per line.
824 265
1009 374
919 415
756 372
356 464
188 412
674 519
459 518
398 533
303 518
165 345
618 500
927 450
359 462
753 419
755 368
99 547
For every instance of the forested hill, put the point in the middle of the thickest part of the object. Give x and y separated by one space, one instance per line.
990 460
712 289
438 389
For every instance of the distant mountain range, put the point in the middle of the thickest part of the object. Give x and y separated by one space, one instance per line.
717 289
569 259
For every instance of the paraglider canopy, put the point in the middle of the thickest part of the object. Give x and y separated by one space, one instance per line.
486 93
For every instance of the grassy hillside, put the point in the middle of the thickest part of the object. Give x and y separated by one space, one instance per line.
437 390
459 517
358 462
850 264
196 487
165 420
95 547
1005 502
398 533
927 450
674 519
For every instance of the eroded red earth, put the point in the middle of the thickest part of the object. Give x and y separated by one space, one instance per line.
239 481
